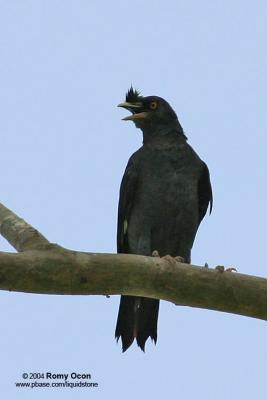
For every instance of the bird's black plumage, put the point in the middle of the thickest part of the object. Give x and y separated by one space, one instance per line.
164 195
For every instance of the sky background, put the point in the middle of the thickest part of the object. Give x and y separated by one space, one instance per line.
64 66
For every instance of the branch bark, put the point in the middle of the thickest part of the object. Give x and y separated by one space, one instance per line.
43 267
18 233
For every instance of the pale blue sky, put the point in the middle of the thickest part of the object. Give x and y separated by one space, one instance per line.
64 67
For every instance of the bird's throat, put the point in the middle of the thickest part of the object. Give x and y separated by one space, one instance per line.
163 136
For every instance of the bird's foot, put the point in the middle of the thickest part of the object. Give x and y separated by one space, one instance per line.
231 269
175 259
221 268
172 260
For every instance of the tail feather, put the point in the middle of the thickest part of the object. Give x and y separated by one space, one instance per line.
137 319
125 322
147 322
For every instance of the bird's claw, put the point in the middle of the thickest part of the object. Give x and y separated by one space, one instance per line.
179 259
231 269
172 260
221 268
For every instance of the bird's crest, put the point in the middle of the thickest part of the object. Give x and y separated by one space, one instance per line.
133 95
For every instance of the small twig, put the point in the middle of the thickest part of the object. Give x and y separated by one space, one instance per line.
19 233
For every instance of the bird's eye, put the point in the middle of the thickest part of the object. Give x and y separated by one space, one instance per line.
153 105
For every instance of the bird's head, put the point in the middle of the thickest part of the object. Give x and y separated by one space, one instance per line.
148 113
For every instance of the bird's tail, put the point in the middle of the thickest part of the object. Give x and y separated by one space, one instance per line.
137 319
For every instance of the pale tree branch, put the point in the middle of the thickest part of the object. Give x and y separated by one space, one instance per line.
18 233
43 267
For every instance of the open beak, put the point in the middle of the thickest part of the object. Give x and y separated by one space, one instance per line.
133 108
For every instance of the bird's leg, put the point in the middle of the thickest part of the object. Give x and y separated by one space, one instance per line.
221 269
172 260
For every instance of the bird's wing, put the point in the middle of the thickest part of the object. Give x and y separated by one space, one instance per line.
127 192
204 192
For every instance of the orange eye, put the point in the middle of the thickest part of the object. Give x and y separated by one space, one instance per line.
153 105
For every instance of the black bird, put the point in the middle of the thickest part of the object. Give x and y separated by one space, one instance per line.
164 195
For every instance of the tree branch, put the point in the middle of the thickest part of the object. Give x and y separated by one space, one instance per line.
43 267
18 233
